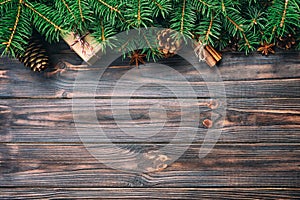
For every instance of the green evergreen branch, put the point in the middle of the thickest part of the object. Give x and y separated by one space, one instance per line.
162 7
284 16
57 27
182 17
109 6
80 10
248 21
223 7
235 24
284 13
68 8
256 20
157 4
5 1
15 29
204 3
102 31
208 32
77 14
15 26
139 12
241 30
209 28
246 40
154 52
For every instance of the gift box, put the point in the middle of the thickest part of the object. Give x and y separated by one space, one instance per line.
85 46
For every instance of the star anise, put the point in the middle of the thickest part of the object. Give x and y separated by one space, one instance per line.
266 48
137 58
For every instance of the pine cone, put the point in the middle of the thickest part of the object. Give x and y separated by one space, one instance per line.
35 55
233 44
168 44
286 42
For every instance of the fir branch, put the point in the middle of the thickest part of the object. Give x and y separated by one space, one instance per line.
4 2
205 3
57 27
255 20
209 28
139 12
283 16
284 13
235 24
241 30
223 7
246 40
208 32
6 5
152 50
109 6
204 7
68 8
182 16
80 10
184 19
157 4
109 10
102 31
162 7
15 30
15 26
77 14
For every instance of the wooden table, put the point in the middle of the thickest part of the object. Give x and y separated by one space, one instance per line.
257 154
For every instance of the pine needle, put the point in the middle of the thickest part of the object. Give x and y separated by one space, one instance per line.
15 25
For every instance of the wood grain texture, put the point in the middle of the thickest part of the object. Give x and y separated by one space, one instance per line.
262 77
153 193
256 157
246 120
70 165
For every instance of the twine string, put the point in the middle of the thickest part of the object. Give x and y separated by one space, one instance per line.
83 44
199 52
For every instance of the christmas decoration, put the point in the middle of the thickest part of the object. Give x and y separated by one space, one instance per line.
136 58
232 45
286 42
85 46
168 43
35 55
241 25
266 48
207 53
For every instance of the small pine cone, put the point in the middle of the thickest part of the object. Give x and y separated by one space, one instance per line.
168 44
286 42
233 45
35 55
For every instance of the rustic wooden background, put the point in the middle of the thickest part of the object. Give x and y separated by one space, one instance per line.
257 155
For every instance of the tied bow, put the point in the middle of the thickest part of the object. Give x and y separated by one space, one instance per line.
83 44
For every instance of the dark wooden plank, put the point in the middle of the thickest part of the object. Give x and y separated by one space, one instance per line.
153 193
246 121
70 165
251 67
41 88
274 76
